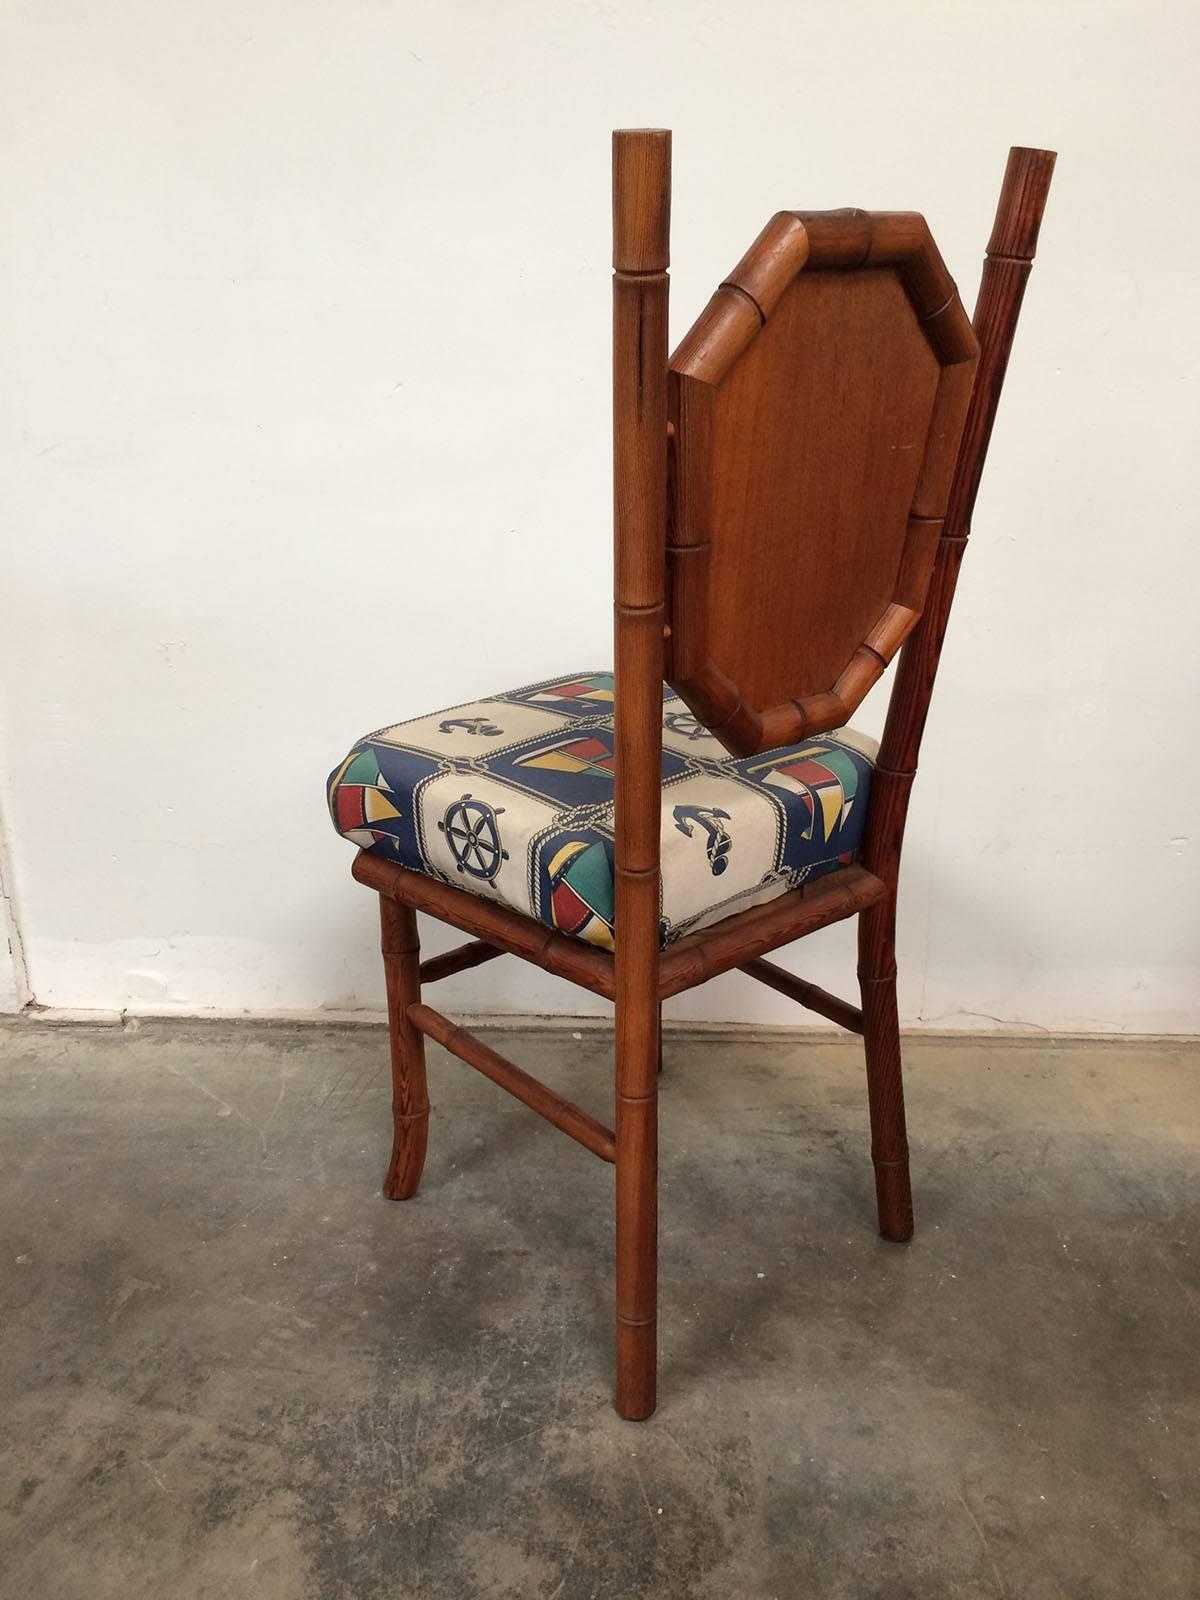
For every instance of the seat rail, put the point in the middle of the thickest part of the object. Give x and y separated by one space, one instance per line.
738 939
692 960
494 924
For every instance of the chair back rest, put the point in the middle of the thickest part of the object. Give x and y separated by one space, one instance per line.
816 410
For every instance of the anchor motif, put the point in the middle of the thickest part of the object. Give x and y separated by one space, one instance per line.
712 820
682 722
473 725
473 837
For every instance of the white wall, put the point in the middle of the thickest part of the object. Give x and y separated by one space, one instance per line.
14 991
305 389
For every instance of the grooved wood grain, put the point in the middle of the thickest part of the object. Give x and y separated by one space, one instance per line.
816 408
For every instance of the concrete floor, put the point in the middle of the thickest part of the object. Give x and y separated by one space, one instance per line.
228 1367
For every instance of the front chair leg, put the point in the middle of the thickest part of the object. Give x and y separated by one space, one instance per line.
410 1097
637 1256
885 1084
637 1208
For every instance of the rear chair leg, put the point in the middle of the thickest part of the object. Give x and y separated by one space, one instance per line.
885 1085
410 1098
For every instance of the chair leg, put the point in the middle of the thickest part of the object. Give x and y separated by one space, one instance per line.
637 1258
885 1084
410 1098
637 1209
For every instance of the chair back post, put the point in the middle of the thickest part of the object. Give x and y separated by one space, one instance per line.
1006 269
641 229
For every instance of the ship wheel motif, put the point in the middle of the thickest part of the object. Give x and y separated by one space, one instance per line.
473 837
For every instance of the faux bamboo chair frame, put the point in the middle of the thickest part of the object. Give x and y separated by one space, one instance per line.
640 975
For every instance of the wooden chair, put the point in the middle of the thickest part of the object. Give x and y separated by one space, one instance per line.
793 494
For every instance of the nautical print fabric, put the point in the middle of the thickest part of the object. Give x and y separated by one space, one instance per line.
511 798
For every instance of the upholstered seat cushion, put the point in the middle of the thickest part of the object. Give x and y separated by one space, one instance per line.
512 798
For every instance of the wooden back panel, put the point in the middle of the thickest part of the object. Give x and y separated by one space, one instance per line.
817 407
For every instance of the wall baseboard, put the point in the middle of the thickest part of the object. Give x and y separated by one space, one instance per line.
492 1022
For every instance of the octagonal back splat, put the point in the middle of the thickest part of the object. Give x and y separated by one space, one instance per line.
817 407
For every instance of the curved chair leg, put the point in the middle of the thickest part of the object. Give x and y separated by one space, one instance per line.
885 1084
410 1098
